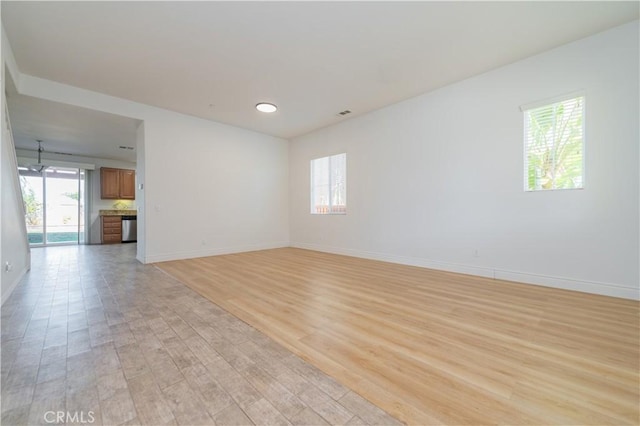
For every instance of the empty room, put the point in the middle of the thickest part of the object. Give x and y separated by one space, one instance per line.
320 213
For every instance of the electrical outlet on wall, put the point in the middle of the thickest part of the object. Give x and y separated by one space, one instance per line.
8 266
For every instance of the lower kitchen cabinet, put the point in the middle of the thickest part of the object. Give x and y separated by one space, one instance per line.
111 229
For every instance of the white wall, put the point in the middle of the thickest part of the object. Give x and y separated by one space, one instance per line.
436 179
141 248
209 188
14 248
212 188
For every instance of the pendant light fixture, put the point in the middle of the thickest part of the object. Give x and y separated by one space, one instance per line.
39 167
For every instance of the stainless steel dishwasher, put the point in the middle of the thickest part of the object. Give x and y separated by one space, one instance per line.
129 229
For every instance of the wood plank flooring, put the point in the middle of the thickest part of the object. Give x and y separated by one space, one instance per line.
433 347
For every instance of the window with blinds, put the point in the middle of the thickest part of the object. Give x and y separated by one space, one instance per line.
554 145
329 185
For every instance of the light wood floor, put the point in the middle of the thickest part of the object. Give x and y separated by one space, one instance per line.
434 347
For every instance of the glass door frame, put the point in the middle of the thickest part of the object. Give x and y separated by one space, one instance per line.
81 228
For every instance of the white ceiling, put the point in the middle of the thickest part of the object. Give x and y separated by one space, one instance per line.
216 60
69 129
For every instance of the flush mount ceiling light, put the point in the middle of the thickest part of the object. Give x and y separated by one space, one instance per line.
266 107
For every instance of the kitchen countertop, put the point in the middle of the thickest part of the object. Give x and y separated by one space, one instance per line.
118 213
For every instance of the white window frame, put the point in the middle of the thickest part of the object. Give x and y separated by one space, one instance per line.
537 104
312 205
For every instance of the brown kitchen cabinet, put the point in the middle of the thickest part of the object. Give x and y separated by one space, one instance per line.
111 229
127 184
117 184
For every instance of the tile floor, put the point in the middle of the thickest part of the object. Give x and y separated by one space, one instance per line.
91 336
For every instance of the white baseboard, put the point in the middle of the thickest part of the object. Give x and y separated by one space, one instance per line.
604 289
211 252
6 292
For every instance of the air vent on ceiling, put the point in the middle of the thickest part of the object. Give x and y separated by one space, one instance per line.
61 153
345 112
125 147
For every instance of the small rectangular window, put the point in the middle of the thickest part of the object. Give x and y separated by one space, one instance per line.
554 145
329 185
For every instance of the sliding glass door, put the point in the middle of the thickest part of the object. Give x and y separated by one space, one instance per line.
32 184
54 205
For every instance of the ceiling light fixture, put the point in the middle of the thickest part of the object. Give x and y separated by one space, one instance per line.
266 107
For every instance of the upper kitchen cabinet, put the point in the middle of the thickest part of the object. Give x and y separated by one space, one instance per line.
109 183
117 184
128 184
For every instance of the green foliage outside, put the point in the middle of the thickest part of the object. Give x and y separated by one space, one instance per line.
32 207
555 145
72 195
